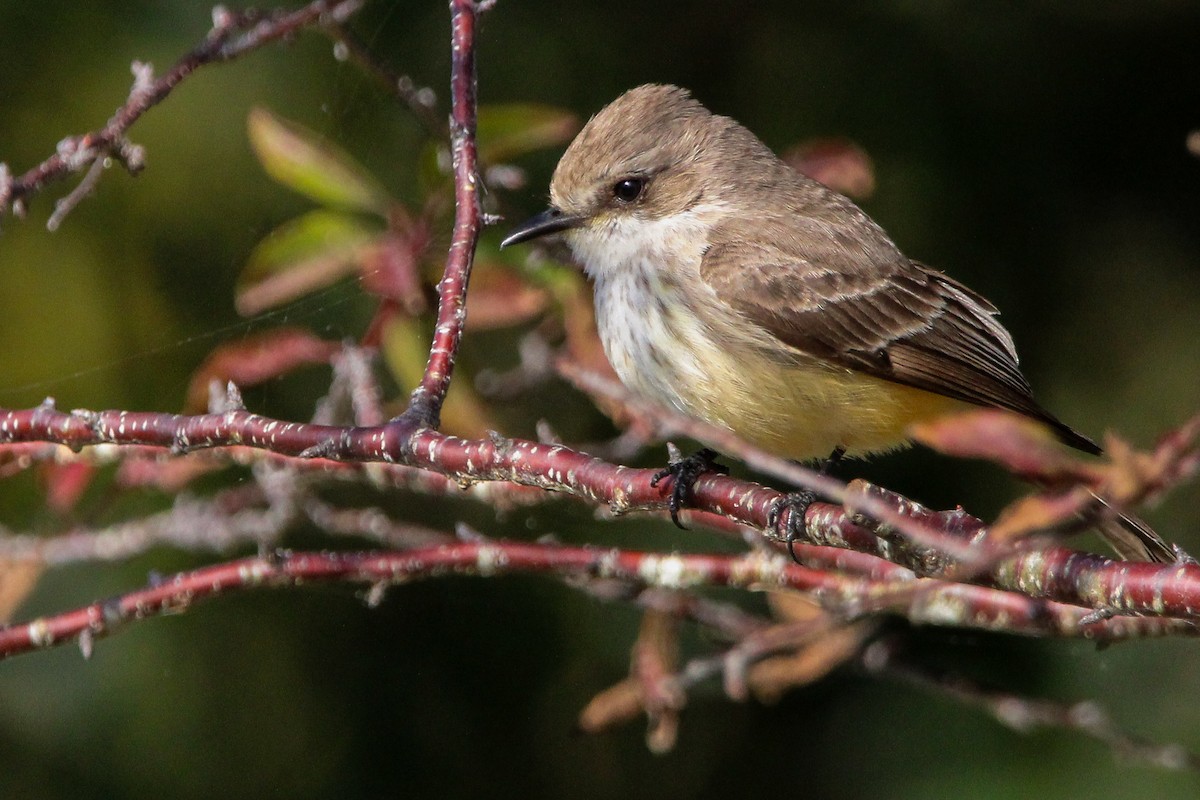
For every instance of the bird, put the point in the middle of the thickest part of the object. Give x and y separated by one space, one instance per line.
734 289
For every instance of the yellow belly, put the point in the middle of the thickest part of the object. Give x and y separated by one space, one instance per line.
807 412
796 410
715 366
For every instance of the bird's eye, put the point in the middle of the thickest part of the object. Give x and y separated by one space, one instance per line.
627 190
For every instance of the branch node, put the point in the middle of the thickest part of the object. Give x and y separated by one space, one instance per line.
274 557
87 417
1099 615
87 642
421 412
503 444
233 398
143 81
222 19
376 594
181 445
111 613
132 156
66 205
465 533
327 448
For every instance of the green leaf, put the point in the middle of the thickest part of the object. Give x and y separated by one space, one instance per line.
510 130
301 160
301 256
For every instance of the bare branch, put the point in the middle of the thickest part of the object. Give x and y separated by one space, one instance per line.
876 553
971 606
1171 590
233 34
420 100
425 407
1024 714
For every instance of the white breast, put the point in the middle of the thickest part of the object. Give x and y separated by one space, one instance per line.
650 334
646 275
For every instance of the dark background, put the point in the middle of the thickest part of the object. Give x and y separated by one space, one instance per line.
1035 151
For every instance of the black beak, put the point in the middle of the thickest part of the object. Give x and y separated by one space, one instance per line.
549 221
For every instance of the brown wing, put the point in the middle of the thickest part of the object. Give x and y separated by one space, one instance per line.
883 315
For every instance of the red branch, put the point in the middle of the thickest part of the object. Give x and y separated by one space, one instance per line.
932 538
1060 574
222 43
426 404
988 608
1044 591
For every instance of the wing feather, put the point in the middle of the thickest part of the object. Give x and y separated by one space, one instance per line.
881 314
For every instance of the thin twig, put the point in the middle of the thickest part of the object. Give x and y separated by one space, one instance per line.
233 34
420 100
979 607
1025 714
424 409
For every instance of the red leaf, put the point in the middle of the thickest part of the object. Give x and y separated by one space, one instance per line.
1020 445
256 359
838 163
500 299
1040 512
66 483
391 268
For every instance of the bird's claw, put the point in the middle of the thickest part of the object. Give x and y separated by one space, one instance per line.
684 472
789 531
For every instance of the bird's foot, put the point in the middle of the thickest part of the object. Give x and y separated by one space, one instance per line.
797 504
684 472
791 529
834 459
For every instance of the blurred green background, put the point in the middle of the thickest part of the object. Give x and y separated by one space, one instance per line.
1035 151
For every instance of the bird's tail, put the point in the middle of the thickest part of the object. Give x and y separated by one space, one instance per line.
1132 538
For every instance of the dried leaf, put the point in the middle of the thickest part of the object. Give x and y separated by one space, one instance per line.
257 358
1133 473
301 160
1137 477
17 580
655 660
792 606
656 656
663 733
1040 512
840 164
615 705
514 129
770 678
1021 445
